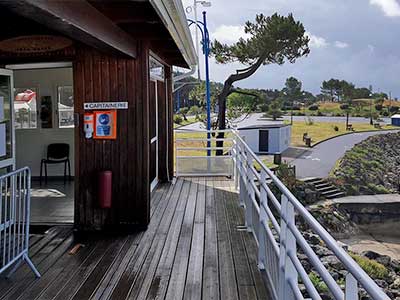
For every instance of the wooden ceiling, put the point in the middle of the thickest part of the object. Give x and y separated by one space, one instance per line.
140 20
137 18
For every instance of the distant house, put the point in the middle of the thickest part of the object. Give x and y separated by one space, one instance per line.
267 138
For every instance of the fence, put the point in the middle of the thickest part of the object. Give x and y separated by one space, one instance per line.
272 215
14 220
191 157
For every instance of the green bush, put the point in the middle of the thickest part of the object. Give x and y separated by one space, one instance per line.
313 107
318 283
371 267
178 119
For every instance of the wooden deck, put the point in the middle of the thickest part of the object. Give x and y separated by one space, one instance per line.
192 249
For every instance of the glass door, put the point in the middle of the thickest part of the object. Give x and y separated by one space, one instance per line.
7 136
153 122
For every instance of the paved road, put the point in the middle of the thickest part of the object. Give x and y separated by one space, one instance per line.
319 161
258 119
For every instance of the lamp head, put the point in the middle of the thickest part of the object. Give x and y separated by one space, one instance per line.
205 3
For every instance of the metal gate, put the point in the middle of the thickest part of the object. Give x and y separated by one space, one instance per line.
15 199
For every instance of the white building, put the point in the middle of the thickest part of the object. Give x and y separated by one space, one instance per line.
267 138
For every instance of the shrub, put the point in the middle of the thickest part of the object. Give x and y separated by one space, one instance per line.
295 107
378 107
344 106
264 107
318 283
178 119
371 267
394 109
336 128
313 107
385 113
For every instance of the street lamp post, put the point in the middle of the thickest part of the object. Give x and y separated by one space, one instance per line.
206 46
371 122
206 51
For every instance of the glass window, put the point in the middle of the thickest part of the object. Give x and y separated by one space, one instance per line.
25 107
46 112
5 117
65 106
156 69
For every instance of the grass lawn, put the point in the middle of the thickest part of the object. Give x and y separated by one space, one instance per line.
190 120
322 130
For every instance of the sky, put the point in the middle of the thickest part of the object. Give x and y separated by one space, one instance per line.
354 40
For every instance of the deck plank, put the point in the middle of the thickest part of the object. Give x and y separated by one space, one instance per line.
243 273
177 281
192 249
194 277
127 279
159 284
210 267
228 284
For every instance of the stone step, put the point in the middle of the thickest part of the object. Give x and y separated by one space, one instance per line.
326 189
313 180
322 185
334 196
331 192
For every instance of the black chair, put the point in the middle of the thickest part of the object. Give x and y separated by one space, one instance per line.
56 154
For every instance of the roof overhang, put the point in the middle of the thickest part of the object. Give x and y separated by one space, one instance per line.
173 16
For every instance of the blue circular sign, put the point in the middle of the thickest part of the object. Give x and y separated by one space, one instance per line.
104 119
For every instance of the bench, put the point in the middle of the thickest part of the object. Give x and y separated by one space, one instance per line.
349 127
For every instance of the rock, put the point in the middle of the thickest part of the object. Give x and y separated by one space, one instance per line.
370 254
395 284
322 251
343 245
381 283
331 261
384 260
312 238
395 265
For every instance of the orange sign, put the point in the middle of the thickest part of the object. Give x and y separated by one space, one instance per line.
34 44
105 124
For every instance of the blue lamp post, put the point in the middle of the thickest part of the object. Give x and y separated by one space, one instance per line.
206 51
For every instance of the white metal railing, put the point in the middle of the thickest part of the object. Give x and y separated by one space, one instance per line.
191 153
14 220
271 218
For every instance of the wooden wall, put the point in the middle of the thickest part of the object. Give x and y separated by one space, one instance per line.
99 77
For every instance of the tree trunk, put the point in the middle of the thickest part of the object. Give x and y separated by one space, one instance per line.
226 91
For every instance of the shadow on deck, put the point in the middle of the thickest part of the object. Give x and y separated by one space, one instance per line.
194 248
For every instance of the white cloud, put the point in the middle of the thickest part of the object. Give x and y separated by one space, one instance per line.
341 45
229 34
371 48
317 41
391 8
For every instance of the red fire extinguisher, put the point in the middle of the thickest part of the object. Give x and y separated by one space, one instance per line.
105 189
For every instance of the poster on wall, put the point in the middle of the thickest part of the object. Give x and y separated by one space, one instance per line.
105 125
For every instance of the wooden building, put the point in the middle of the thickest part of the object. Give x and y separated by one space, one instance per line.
119 51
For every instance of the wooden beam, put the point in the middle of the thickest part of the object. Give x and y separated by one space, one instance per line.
78 20
123 12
